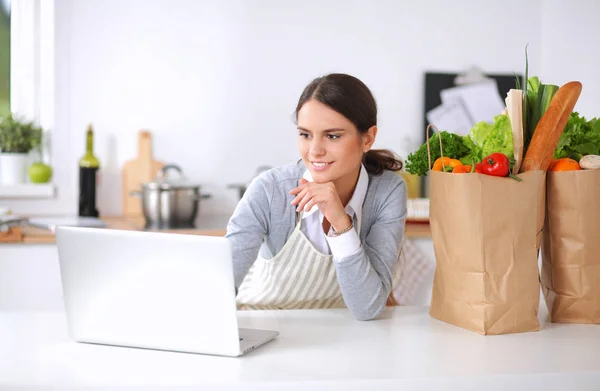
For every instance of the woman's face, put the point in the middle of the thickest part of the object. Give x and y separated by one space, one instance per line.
329 144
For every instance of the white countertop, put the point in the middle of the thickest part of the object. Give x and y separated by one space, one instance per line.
316 350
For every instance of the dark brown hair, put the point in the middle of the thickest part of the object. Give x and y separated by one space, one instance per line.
351 98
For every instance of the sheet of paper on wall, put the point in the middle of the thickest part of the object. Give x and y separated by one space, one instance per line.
452 117
481 100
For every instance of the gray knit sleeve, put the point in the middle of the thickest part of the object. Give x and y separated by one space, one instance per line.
249 225
365 277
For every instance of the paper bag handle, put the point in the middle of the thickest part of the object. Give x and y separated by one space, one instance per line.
429 149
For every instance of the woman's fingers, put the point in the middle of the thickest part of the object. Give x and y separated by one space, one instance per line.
310 194
308 206
303 202
318 199
298 189
299 196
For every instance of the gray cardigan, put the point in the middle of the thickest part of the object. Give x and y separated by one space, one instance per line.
264 219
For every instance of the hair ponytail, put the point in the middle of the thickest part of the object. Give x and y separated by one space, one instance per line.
378 160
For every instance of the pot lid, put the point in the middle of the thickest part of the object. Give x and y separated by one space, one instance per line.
164 181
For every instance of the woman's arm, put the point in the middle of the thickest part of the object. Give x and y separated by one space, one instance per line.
365 277
249 225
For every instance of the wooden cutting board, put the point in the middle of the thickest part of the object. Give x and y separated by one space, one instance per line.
137 172
14 234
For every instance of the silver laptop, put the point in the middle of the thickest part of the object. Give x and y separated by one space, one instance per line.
152 290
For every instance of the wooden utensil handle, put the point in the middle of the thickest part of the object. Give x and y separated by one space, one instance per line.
144 145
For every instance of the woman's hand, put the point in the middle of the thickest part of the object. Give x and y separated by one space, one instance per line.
326 198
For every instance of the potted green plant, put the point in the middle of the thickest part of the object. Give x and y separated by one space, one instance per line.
17 138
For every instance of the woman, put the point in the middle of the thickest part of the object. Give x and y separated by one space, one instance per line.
325 232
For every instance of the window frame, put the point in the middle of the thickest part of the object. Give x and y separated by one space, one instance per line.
32 80
32 44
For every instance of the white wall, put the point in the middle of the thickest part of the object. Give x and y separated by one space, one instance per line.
571 49
217 81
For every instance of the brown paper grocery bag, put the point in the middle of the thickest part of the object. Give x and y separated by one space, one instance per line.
486 235
571 247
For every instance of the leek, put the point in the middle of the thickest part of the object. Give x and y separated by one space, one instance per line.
544 96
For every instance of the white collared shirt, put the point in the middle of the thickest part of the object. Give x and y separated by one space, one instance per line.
343 245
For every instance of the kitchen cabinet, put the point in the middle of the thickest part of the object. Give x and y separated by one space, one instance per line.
30 274
29 278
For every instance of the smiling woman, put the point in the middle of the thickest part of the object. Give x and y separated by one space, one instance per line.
325 232
4 57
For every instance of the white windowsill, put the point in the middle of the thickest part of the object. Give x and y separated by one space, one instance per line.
28 190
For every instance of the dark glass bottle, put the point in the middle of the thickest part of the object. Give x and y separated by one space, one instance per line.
88 172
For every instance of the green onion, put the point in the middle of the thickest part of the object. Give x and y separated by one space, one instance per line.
525 106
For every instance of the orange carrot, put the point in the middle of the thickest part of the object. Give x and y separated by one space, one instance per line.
548 130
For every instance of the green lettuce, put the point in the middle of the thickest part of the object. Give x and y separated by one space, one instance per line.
474 152
580 137
500 138
485 139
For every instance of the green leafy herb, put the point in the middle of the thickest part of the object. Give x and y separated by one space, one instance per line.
19 136
453 147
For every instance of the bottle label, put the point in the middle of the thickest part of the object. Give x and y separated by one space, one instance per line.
87 191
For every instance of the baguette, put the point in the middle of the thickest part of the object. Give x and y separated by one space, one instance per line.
547 132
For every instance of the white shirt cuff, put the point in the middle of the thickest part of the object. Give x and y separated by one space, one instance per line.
344 245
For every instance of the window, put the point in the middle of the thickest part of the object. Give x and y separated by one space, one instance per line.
27 87
4 57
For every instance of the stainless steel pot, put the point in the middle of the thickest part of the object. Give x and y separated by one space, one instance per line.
170 203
